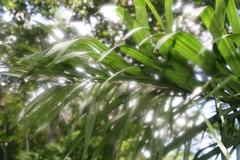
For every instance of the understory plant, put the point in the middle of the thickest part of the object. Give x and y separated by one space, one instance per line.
125 100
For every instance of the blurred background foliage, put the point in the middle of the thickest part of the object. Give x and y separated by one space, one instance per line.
21 34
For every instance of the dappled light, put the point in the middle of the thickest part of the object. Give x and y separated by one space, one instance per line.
121 79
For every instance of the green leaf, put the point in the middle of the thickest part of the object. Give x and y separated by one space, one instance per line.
141 13
169 15
185 44
131 24
133 31
216 137
47 106
233 17
140 57
155 13
216 27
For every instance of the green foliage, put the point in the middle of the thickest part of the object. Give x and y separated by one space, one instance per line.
99 111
